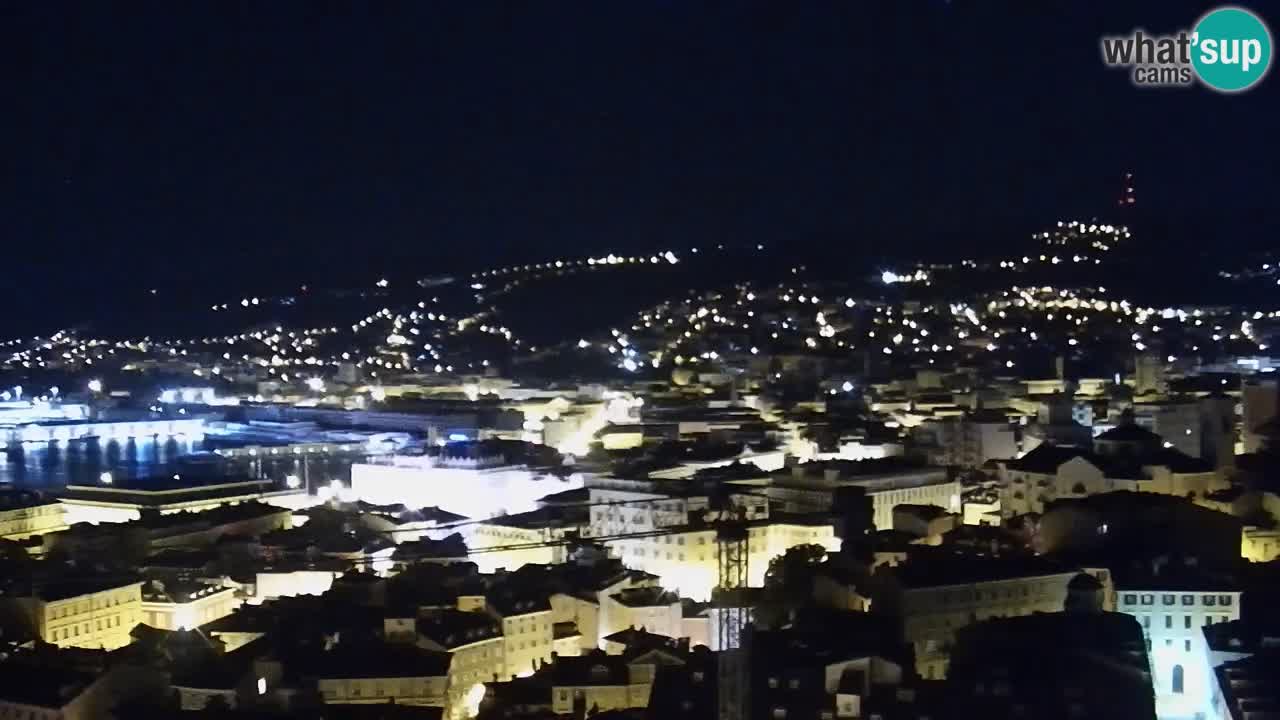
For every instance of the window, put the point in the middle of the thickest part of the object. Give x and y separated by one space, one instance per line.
1188 599
794 683
1168 622
1186 622
1130 599
1224 600
1146 621
1148 599
779 713
1209 600
1169 599
1177 679
1186 646
773 682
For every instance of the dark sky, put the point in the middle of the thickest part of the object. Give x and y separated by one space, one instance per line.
216 143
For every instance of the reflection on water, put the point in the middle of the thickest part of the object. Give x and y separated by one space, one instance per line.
50 465
55 464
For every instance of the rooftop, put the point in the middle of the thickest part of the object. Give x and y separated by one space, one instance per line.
927 567
386 660
19 499
179 591
455 628
1248 685
645 597
41 687
1129 433
69 587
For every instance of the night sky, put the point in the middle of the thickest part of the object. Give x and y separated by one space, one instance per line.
230 144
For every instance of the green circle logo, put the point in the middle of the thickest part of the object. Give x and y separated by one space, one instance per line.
1231 49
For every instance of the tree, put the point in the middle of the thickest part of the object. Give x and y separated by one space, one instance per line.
788 584
792 572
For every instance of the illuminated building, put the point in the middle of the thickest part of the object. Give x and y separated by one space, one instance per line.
44 432
1242 661
526 633
154 532
687 559
626 506
477 491
24 513
1174 605
24 412
936 592
120 501
811 487
400 524
585 601
87 613
438 419
1125 458
1242 686
1259 544
474 642
969 441
496 543
184 605
651 608
566 639
296 578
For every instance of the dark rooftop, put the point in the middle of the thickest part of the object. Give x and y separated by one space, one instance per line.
593 669
69 587
455 628
645 597
386 660
178 591
1129 433
18 499
1248 685
934 567
44 687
